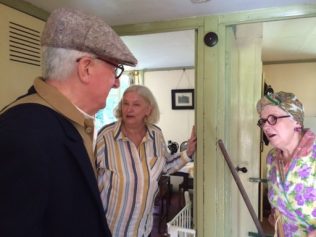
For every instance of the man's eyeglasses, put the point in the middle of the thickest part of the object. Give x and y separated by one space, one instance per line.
119 68
272 120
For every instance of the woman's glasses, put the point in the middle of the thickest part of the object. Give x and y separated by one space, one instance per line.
272 120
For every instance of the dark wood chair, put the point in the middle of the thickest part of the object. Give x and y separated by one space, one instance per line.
187 182
185 185
163 199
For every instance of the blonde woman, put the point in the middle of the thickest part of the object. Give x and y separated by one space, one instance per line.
132 154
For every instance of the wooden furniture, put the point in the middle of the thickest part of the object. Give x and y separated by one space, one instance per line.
186 173
185 185
163 199
187 182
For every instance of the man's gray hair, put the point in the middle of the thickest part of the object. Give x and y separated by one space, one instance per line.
59 63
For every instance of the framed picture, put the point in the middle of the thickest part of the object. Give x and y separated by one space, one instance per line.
182 98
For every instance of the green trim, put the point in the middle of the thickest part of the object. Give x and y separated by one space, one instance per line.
165 69
159 27
210 209
269 14
198 205
312 60
27 8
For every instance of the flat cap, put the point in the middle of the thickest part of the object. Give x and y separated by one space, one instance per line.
73 29
286 101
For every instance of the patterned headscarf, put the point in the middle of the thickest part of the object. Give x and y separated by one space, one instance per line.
285 101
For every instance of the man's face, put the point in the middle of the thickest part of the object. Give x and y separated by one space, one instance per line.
103 80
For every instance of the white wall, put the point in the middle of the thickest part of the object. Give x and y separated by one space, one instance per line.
299 78
175 124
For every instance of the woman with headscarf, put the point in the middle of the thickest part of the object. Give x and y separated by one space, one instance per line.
291 165
132 155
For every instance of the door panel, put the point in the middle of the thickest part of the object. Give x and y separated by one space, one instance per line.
245 70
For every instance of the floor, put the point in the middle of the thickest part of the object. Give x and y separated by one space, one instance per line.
176 206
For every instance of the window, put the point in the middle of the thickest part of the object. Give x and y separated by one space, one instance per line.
106 115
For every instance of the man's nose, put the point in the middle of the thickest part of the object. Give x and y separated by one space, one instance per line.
117 83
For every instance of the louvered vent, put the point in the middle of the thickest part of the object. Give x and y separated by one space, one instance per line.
24 44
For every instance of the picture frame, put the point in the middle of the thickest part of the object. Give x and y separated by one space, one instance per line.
182 99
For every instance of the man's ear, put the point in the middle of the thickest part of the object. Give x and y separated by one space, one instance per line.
84 69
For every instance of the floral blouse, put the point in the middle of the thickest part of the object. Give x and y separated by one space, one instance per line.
295 194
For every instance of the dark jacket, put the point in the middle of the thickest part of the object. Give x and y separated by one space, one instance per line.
48 187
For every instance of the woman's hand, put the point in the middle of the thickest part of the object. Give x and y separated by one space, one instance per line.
271 218
192 143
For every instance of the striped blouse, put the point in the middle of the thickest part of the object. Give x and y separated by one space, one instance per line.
128 177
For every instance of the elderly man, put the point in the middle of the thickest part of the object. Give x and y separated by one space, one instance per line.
47 168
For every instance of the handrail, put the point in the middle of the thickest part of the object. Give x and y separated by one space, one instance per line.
241 188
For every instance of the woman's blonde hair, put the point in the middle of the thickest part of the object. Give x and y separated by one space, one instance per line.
147 95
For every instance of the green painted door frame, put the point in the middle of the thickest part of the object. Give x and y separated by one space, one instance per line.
224 128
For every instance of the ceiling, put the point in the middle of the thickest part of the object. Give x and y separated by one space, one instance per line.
163 50
291 40
282 40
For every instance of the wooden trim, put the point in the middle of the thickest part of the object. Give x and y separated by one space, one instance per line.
26 8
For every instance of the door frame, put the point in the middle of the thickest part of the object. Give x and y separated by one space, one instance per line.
225 130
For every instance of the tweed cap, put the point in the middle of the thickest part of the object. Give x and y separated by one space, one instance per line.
285 101
73 29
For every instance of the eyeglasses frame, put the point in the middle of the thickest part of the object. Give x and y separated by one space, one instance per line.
261 122
117 66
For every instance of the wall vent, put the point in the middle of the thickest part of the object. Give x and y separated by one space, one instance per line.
24 44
